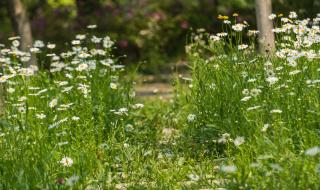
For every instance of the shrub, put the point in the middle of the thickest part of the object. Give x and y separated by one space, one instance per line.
82 102
250 105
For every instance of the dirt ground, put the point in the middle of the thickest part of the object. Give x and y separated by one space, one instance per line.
151 86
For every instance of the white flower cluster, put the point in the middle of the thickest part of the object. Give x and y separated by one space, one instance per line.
60 94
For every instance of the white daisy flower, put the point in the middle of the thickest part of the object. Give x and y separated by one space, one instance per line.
228 169
238 141
312 151
53 103
66 161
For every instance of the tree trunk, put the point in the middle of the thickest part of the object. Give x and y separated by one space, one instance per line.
265 26
21 24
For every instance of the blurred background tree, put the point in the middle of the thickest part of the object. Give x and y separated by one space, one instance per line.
20 22
153 31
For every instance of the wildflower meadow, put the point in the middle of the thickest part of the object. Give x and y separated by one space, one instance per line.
239 120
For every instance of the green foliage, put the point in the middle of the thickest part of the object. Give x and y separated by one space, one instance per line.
153 32
81 104
258 113
60 3
242 121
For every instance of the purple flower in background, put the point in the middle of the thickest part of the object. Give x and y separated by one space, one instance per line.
60 181
109 8
129 14
57 11
39 24
123 43
184 24
158 16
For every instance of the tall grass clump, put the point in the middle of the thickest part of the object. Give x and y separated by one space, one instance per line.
259 115
60 118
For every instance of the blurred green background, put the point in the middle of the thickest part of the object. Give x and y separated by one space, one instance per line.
149 31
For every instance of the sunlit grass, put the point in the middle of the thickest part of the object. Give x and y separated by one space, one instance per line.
259 113
242 121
